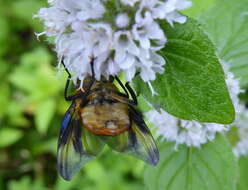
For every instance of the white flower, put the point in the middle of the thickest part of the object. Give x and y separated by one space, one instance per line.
147 29
52 2
190 133
241 148
165 9
233 87
55 20
76 48
129 2
125 49
89 9
126 43
122 20
113 68
151 63
170 8
241 121
103 38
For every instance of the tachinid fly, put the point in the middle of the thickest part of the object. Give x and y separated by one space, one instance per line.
100 114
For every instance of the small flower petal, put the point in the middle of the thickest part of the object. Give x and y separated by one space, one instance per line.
126 43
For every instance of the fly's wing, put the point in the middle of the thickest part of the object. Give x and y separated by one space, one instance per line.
92 143
74 145
70 149
144 146
137 141
142 143
119 143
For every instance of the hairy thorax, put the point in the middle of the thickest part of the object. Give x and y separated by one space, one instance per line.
103 115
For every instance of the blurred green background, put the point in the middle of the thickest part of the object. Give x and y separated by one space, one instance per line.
31 111
32 108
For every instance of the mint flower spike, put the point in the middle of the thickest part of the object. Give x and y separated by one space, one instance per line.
193 133
129 2
51 2
124 38
241 148
190 133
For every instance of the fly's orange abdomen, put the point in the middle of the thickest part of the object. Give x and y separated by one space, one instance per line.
106 119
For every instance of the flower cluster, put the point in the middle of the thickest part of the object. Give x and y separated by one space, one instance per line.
190 133
122 35
241 122
193 133
241 148
234 89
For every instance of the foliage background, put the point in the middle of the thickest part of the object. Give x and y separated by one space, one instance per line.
32 107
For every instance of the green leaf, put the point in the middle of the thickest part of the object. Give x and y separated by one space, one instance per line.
9 136
243 172
4 99
26 183
26 75
36 77
193 85
25 10
227 25
198 7
4 34
49 146
43 114
211 167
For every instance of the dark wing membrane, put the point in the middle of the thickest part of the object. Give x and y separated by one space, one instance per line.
142 143
119 143
137 141
72 152
70 149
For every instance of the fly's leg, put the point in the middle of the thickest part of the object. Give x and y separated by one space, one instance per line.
127 88
92 67
87 92
67 97
132 93
92 74
122 86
